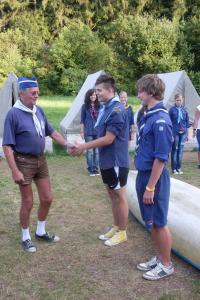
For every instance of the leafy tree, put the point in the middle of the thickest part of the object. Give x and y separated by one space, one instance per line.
191 31
75 52
10 55
145 45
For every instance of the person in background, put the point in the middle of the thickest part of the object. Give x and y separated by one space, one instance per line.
25 129
114 161
124 100
89 113
180 123
153 181
196 130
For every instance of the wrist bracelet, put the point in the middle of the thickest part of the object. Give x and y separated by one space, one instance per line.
148 189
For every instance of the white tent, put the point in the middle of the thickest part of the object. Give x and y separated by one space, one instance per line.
8 96
70 124
179 82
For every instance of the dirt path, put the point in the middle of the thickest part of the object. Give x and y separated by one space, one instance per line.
80 266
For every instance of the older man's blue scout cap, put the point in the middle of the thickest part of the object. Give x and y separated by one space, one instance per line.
25 82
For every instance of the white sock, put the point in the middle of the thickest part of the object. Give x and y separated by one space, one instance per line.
40 227
25 234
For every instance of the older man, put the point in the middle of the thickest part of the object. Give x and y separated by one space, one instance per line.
25 129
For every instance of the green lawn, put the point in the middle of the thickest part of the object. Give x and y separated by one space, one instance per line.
56 107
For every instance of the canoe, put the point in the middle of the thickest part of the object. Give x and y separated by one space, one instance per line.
183 217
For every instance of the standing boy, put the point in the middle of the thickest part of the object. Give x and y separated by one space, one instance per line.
153 181
113 131
180 124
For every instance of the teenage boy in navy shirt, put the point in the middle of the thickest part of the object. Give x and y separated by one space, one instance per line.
113 132
153 181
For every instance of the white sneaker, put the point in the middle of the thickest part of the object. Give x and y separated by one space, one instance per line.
180 172
148 265
160 271
175 172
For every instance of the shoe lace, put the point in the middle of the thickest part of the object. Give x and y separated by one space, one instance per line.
29 243
157 269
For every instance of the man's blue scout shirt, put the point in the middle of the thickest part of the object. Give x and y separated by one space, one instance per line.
155 138
114 120
20 132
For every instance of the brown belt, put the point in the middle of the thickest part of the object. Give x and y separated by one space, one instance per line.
29 155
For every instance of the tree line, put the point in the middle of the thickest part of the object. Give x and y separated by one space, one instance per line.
61 41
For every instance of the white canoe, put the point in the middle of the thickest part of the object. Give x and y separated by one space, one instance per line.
183 217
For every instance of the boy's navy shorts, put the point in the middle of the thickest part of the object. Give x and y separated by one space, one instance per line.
154 214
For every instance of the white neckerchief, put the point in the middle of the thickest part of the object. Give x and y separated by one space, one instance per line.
18 104
102 110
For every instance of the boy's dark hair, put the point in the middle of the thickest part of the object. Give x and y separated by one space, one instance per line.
107 80
87 100
152 85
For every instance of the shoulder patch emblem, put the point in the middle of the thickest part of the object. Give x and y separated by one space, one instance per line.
117 109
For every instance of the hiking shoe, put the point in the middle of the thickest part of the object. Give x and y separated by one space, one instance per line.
180 172
148 265
175 172
28 246
109 234
47 237
160 271
118 238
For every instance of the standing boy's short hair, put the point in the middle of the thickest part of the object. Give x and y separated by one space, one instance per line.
152 85
107 80
177 96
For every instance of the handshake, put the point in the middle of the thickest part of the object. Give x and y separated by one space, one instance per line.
75 149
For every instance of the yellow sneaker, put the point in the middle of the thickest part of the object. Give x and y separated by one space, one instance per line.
109 234
119 237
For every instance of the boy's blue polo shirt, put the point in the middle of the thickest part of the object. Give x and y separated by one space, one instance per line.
114 120
183 125
88 121
20 132
155 138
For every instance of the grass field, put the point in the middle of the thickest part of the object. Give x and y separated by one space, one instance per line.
80 267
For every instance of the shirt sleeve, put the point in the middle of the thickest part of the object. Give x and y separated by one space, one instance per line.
131 116
83 114
163 139
115 121
9 130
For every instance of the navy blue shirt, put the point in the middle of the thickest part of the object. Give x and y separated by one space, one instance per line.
20 132
88 121
114 120
130 114
155 138
184 122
